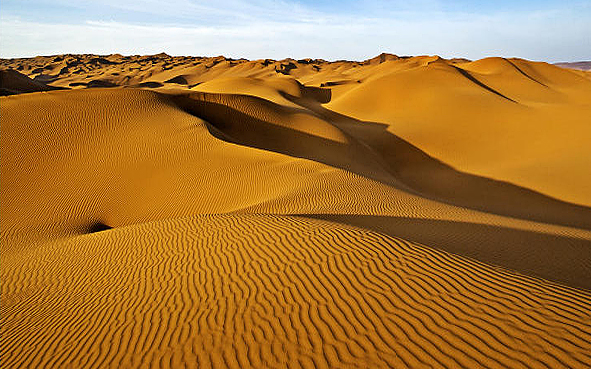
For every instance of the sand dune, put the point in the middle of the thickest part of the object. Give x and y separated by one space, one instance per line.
277 291
208 212
13 82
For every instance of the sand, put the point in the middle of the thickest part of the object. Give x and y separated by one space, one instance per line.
164 211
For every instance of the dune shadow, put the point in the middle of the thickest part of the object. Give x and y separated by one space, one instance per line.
180 80
100 83
474 80
235 126
522 72
150 84
98 227
12 82
433 179
557 258
315 94
376 153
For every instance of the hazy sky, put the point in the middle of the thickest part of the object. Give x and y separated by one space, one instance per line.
539 30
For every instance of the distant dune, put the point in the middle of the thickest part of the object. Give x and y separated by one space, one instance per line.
583 65
419 212
13 82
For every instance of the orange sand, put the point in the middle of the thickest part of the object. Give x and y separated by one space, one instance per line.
166 211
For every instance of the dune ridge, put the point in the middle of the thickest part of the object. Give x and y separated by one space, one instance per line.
210 212
528 99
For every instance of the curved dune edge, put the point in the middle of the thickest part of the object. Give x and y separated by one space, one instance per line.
111 158
242 291
511 120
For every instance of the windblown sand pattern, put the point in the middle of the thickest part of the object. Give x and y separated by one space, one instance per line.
276 291
175 212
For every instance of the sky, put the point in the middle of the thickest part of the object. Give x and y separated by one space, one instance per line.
547 30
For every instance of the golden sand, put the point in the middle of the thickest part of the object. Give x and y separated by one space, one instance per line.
175 212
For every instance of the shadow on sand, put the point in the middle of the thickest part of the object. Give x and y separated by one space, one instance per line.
520 250
374 152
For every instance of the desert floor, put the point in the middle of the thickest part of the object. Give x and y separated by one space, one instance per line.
170 212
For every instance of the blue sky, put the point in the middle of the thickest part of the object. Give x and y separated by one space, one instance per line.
539 30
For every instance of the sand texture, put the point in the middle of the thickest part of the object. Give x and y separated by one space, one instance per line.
172 212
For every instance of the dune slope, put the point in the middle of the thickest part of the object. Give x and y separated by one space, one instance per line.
276 291
163 211
13 83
